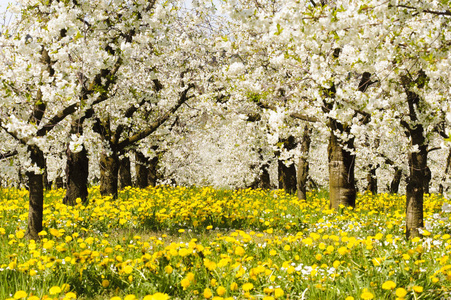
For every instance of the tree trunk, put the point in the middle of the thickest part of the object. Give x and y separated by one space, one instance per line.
125 175
394 185
77 170
415 191
77 173
417 159
287 174
341 170
303 165
141 170
152 171
36 193
59 183
427 180
372 180
109 171
287 177
446 173
263 180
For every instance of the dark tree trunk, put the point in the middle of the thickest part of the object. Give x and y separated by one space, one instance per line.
59 182
125 175
417 160
394 185
45 179
341 169
36 193
152 171
263 181
372 179
77 173
415 190
109 171
77 170
287 177
141 170
287 174
427 180
303 165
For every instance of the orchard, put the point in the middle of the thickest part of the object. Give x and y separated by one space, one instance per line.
225 126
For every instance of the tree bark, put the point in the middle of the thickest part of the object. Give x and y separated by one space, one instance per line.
303 165
446 173
372 179
77 170
141 170
394 185
125 175
152 171
417 159
77 173
415 191
341 169
59 183
287 174
109 171
36 193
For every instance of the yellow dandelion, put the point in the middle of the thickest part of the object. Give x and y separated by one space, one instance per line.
401 292
388 285
20 294
247 286
54 290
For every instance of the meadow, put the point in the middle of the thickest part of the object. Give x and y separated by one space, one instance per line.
202 243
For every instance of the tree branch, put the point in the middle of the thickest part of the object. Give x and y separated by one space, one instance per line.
157 123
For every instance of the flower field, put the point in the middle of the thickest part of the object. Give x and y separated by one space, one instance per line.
201 243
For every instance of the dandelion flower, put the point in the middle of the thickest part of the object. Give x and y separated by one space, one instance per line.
388 285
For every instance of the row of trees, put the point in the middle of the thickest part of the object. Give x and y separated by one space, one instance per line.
247 86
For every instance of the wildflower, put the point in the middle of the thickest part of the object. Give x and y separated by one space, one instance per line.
388 285
240 251
157 296
349 298
221 290
401 292
247 286
168 269
366 295
417 289
105 283
278 292
185 283
130 297
54 290
207 293
20 294
70 295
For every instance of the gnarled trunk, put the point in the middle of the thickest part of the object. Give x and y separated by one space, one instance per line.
341 170
109 171
77 173
303 165
36 192
125 175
